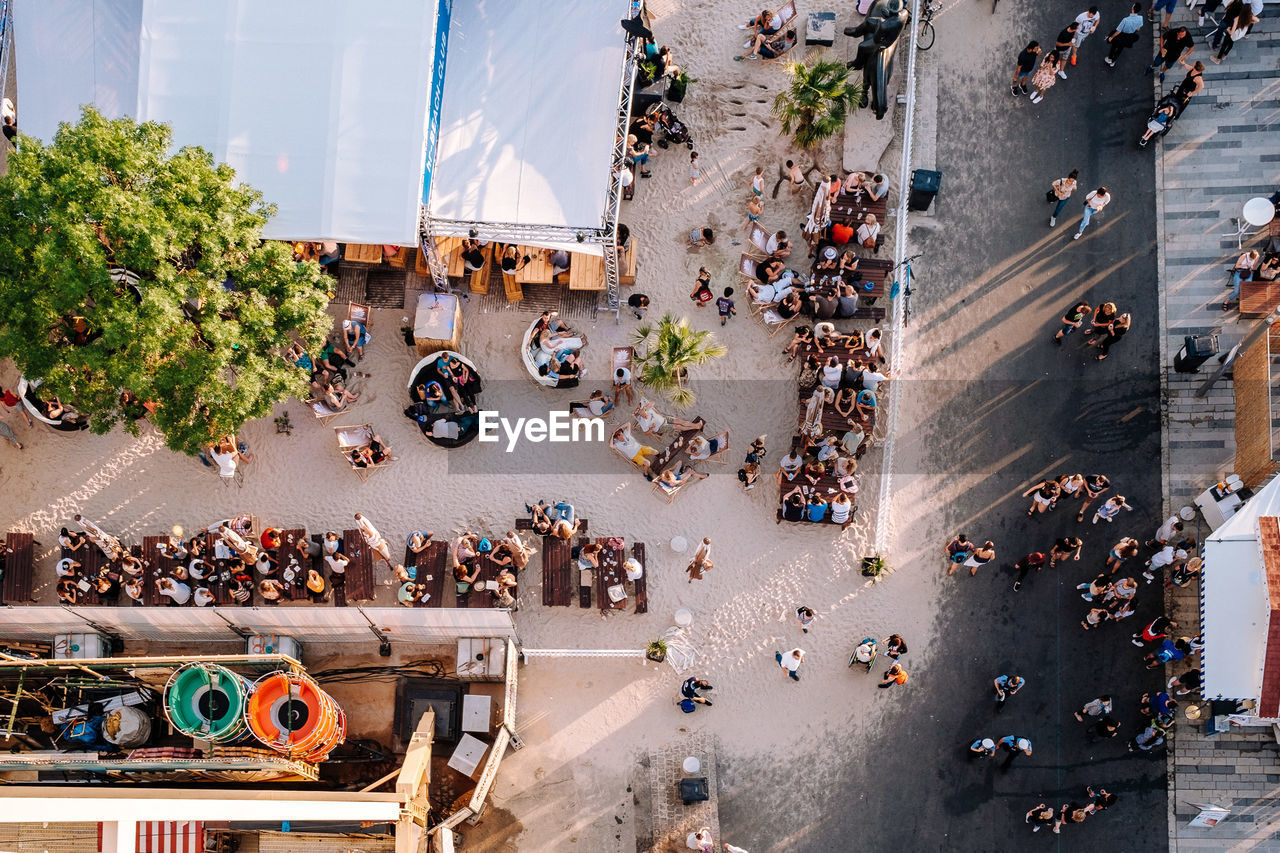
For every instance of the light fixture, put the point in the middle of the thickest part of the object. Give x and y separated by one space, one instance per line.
581 237
473 233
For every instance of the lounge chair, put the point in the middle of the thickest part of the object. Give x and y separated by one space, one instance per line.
323 412
351 438
360 313
669 492
759 239
631 460
747 267
773 321
719 456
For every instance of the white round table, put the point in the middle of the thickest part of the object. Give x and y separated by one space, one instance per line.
679 544
684 618
692 765
1259 211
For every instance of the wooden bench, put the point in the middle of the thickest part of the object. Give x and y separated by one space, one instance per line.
627 263
363 253
586 272
557 571
359 574
479 282
337 583
642 593
527 524
822 485
584 590
609 573
221 589
19 567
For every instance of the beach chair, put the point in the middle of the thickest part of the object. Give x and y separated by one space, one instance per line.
322 411
747 267
759 239
719 456
351 438
773 321
668 492
360 313
634 431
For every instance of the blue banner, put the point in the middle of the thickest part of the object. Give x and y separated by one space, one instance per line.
444 12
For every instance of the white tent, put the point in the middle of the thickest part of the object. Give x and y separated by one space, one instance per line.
529 118
1235 606
319 104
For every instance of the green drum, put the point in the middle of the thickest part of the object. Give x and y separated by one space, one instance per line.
207 701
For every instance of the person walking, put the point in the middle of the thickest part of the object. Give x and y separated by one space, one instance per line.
1012 746
1111 508
1166 533
1065 548
13 402
980 557
1024 65
1185 683
1086 23
1101 798
1059 193
894 646
1124 550
1167 6
958 550
1105 729
804 615
1041 816
1046 494
1095 485
1006 686
1119 327
1064 45
1175 46
1096 588
790 662
1165 557
1034 560
1094 202
1044 78
982 748
1236 23
1125 35
895 674
1074 316
1074 813
1096 708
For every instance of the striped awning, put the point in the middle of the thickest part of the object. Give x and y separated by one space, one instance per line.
167 836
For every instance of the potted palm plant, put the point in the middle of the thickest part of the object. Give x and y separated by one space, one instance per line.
678 86
816 102
665 352
656 651
874 567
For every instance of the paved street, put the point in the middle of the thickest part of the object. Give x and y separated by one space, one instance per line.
993 405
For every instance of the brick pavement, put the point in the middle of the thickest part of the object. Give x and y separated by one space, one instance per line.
672 820
1223 150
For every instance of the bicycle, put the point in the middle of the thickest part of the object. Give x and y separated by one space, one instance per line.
926 33
904 290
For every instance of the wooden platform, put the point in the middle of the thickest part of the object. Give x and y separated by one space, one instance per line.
586 272
1259 298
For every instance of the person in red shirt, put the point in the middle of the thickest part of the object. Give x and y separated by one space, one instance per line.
13 402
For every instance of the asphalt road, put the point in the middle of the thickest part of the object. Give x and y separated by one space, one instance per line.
911 787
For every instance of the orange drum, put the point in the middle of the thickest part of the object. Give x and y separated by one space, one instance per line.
289 713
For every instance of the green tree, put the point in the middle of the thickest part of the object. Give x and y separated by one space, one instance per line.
201 334
815 104
665 353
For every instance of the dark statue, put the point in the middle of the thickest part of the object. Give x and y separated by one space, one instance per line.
879 32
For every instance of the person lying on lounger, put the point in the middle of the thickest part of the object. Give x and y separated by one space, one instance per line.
700 448
770 47
678 474
649 419
599 405
626 444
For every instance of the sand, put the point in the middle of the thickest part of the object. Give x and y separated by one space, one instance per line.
584 722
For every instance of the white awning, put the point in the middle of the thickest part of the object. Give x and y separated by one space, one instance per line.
1235 606
530 112
319 104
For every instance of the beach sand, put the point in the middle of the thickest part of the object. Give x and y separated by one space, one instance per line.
585 723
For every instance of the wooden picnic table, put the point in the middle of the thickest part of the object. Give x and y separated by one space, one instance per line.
827 486
537 271
291 566
431 571
364 253
557 572
488 572
586 272
666 457
19 567
610 573
218 581
158 567
847 210
359 574
834 422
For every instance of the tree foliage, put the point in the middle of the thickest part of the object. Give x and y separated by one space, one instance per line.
816 102
666 351
201 335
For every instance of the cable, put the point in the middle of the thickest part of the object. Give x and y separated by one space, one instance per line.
416 668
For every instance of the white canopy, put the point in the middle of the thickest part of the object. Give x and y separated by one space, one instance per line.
1235 606
319 104
530 112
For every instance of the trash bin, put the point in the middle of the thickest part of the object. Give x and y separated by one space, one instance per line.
1195 351
924 186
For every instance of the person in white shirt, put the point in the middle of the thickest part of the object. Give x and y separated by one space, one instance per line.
1086 22
790 662
374 540
832 372
202 596
66 567
871 379
868 232
622 384
1164 535
1093 203
841 508
778 246
70 541
1163 558
337 563
177 593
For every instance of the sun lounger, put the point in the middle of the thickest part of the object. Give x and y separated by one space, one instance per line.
359 574
747 268
773 321
719 456
359 313
352 438
641 591
19 567
759 239
668 492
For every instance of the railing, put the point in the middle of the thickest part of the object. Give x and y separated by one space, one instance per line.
529 654
6 44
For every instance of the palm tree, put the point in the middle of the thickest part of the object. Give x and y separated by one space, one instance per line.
815 104
665 352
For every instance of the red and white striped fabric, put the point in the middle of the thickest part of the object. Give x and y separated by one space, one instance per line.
170 836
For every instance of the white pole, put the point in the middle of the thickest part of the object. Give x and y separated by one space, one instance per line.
899 252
